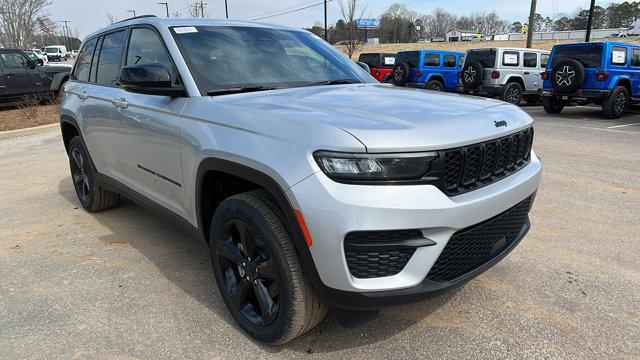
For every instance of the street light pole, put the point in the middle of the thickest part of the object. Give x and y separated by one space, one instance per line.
226 8
532 26
166 7
590 21
66 32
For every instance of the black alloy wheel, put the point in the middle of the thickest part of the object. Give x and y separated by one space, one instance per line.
434 85
249 273
80 177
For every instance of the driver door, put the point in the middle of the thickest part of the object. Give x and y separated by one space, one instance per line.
19 78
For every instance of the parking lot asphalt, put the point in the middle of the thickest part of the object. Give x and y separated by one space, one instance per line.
128 284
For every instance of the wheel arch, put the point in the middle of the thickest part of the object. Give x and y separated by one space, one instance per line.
58 79
437 76
517 79
217 166
626 82
69 128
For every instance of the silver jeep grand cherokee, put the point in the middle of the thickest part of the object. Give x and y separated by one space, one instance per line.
313 184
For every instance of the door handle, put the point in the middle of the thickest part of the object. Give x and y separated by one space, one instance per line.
527 73
120 103
82 96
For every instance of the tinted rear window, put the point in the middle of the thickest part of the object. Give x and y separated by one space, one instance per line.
485 57
410 57
373 60
589 56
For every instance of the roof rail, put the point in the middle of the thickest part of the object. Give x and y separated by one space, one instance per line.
137 17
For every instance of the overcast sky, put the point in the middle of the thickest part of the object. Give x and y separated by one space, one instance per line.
89 15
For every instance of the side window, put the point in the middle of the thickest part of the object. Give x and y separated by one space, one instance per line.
110 58
432 60
145 47
13 60
450 61
618 56
511 58
83 64
635 57
530 60
544 60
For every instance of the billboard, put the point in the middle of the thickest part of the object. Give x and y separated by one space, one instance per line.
368 24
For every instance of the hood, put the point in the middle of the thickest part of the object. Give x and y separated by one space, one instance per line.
386 118
54 69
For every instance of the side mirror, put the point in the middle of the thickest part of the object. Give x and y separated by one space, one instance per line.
150 79
364 66
29 64
40 62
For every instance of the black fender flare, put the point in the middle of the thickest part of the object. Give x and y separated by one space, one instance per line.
58 79
268 183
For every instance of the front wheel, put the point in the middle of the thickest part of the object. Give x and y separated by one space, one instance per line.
258 271
511 93
552 105
617 103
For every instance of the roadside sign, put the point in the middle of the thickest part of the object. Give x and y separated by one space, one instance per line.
368 24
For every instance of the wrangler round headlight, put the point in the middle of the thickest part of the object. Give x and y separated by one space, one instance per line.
374 167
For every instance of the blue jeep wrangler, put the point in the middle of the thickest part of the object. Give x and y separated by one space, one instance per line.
604 73
428 69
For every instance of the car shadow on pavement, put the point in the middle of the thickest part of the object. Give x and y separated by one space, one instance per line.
185 261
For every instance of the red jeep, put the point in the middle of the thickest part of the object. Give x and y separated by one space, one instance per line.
381 65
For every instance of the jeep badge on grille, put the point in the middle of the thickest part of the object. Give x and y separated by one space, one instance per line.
500 123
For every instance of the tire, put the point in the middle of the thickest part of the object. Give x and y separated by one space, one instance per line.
266 256
617 103
567 76
401 73
92 196
472 75
531 99
552 105
511 93
434 85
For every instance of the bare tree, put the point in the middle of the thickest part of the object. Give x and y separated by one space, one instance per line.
352 10
111 19
19 20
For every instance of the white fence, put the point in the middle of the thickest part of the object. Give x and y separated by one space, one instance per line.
561 35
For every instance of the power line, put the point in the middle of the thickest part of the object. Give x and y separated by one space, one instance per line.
291 11
279 10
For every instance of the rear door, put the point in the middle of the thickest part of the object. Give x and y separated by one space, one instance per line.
635 72
450 71
102 137
149 128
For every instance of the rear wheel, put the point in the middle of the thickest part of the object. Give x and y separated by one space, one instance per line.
93 197
258 271
552 105
617 103
511 93
434 85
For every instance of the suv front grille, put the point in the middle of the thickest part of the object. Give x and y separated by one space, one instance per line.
471 167
371 261
470 248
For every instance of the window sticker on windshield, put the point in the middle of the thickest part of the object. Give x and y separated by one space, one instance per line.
619 57
510 59
389 61
185 30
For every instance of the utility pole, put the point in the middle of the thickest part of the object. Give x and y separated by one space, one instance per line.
202 5
66 32
166 7
132 11
226 8
590 22
326 31
532 26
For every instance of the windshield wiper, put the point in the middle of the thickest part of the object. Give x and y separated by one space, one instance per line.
335 82
238 90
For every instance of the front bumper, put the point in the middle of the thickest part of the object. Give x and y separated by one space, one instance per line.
333 210
580 94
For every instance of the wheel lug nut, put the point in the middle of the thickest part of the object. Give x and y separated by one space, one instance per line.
255 282
247 278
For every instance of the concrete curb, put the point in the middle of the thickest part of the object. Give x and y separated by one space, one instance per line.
9 134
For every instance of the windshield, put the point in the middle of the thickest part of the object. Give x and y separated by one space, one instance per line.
51 50
236 57
485 57
589 55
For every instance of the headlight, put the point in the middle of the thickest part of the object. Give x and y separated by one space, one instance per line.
374 167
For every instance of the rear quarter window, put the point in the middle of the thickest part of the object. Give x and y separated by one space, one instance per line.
487 58
510 58
373 60
618 56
